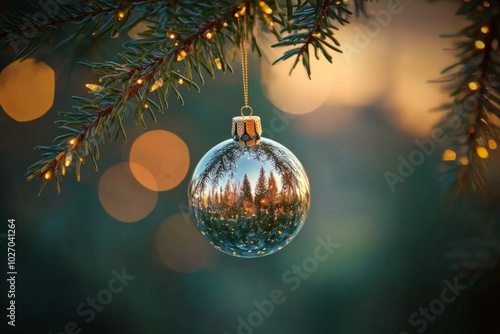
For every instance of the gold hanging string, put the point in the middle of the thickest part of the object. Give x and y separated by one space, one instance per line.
244 64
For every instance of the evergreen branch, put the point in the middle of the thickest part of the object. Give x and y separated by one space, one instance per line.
472 120
143 71
26 32
315 17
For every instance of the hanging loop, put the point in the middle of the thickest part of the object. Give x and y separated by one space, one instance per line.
246 107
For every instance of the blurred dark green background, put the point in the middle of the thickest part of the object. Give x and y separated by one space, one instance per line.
396 248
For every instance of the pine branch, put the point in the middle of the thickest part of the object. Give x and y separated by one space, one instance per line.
26 32
472 120
144 70
316 19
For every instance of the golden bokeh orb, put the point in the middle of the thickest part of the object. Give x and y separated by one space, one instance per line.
123 197
164 155
27 89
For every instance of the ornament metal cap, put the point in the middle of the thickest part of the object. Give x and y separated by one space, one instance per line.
246 130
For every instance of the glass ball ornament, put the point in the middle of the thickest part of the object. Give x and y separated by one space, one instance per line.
249 196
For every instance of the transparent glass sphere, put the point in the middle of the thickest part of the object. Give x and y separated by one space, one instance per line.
249 201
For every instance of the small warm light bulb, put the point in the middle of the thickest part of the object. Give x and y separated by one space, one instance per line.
171 36
473 85
48 175
180 81
139 81
485 30
209 35
265 8
464 161
449 155
158 83
179 58
68 159
479 45
183 53
243 10
121 15
146 106
225 24
492 144
94 88
218 63
471 129
482 152
72 142
236 15
486 4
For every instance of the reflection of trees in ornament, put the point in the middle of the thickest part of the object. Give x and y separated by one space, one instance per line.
225 161
261 189
272 192
234 201
254 214
246 199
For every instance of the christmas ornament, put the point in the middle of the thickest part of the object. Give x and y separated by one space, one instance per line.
249 195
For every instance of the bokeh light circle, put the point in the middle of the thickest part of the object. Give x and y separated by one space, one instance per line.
180 246
27 89
294 93
164 155
123 197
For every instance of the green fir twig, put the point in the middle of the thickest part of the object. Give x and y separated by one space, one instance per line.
472 122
